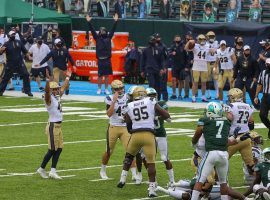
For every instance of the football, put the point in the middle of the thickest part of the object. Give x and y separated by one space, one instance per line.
191 44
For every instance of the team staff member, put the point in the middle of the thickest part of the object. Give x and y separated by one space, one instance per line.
115 104
152 64
103 52
238 48
141 112
60 57
39 51
264 85
53 94
246 73
264 54
15 63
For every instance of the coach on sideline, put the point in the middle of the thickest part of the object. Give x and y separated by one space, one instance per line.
264 85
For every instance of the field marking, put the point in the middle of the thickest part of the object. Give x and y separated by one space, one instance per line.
68 176
101 179
159 197
240 187
39 145
133 183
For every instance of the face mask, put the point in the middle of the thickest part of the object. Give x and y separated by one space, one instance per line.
39 42
54 35
158 41
177 42
12 37
211 40
240 43
104 35
59 45
247 54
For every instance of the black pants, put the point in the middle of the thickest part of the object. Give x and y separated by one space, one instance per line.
8 73
163 87
154 81
265 107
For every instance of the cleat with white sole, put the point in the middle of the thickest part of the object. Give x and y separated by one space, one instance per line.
152 193
138 179
266 196
103 175
42 173
54 175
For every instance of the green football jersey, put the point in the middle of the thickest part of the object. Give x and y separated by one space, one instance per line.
264 169
159 123
216 133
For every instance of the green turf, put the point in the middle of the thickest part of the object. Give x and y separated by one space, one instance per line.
79 157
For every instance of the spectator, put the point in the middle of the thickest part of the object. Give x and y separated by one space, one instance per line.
232 11
165 9
255 11
102 10
78 6
148 7
103 52
88 6
238 48
208 14
120 8
141 9
47 37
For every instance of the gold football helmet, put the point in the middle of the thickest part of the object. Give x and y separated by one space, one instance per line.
235 95
256 138
54 85
118 86
201 39
139 93
211 36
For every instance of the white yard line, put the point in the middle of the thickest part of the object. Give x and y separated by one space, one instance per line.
159 197
96 180
39 145
68 176
240 187
133 183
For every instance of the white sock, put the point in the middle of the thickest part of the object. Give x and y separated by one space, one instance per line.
103 168
53 170
203 96
195 195
123 176
139 174
175 193
11 84
171 175
133 171
41 168
152 184
208 93
224 197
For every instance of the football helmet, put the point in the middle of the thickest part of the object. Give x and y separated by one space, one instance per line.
235 95
256 138
139 93
54 85
151 92
213 110
130 91
211 36
201 39
266 154
118 86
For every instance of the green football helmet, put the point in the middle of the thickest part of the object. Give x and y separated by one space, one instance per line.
213 110
151 92
266 154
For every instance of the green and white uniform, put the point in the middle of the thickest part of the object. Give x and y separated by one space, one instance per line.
216 131
160 134
264 170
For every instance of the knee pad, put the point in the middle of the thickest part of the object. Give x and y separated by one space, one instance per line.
128 159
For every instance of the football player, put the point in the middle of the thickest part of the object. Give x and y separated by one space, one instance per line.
216 131
211 60
117 129
199 68
52 98
141 112
256 141
242 119
226 59
261 184
161 136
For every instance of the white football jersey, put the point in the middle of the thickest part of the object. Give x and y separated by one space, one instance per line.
225 58
55 109
117 117
241 115
142 113
3 40
200 148
212 56
200 57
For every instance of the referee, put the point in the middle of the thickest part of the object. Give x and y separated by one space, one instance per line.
264 85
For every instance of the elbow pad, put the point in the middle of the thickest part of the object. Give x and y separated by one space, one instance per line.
251 125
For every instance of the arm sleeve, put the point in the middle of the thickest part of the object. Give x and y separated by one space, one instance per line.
260 78
24 50
49 55
142 62
113 29
70 58
91 28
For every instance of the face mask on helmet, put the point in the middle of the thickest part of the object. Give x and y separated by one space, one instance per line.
211 38
213 110
235 95
266 157
120 91
151 92
139 93
201 40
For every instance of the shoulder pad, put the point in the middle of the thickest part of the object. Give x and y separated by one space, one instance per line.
231 105
108 98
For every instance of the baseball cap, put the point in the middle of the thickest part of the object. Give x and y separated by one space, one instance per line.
262 42
267 61
11 32
246 47
222 42
56 41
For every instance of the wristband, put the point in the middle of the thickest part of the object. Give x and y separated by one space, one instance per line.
67 78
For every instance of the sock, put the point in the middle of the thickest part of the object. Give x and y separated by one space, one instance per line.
53 170
103 168
208 93
46 158
193 98
139 175
195 195
133 171
224 197
171 175
11 84
55 157
123 176
175 193
152 184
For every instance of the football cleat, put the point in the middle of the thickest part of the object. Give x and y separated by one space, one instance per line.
54 175
107 92
266 196
152 193
103 174
138 179
42 173
133 178
99 91
121 185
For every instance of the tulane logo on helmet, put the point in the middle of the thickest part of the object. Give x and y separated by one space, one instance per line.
213 110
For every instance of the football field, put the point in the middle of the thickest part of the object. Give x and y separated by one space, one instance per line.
23 144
